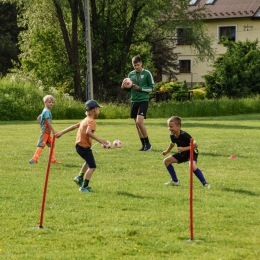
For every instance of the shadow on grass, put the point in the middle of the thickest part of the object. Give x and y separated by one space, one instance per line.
212 154
206 125
69 165
221 155
123 193
245 192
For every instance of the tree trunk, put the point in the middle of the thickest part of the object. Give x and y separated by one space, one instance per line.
72 48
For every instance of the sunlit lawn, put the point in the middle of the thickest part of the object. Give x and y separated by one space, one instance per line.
131 214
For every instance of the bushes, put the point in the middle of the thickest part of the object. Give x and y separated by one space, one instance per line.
236 73
24 102
179 91
199 94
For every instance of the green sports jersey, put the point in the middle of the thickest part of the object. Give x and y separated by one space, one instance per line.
144 80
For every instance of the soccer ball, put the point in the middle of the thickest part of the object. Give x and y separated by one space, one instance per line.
117 144
106 146
127 82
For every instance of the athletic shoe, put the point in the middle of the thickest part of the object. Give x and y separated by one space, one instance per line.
207 186
56 162
142 149
78 180
33 162
172 183
85 189
147 147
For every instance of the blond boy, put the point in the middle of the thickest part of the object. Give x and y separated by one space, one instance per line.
45 121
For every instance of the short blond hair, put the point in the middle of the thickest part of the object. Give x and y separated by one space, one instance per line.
47 97
175 119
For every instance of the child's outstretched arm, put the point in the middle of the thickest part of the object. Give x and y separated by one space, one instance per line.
171 145
90 133
59 134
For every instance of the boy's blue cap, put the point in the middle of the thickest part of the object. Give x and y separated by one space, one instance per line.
91 104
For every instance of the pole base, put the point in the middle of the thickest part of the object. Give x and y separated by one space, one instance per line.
192 240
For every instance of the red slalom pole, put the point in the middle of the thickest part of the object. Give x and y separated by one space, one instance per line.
46 181
191 187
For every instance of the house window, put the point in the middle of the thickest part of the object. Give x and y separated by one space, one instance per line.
193 2
210 2
184 66
228 31
183 36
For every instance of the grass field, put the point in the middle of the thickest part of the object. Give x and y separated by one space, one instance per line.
131 214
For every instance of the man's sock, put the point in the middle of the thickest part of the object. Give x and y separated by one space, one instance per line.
172 173
85 183
81 174
142 141
146 140
200 176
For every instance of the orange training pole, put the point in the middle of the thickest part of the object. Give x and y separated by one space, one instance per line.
191 188
46 181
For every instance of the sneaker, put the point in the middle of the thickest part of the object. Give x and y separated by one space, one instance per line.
172 183
56 162
142 149
207 186
78 180
33 162
147 147
85 189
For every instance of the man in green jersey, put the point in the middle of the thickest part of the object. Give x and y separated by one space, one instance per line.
143 83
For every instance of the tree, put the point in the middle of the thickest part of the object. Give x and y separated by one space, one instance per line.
8 37
237 72
54 41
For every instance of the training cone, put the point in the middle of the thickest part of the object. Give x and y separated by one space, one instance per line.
232 157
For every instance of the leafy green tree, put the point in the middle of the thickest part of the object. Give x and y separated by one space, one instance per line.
237 72
54 51
8 37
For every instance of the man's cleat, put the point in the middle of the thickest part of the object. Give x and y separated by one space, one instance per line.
33 162
147 147
172 183
56 162
207 186
142 149
78 180
85 189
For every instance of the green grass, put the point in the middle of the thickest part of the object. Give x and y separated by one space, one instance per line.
131 214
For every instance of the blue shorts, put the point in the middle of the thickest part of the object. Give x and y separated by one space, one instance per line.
184 157
139 109
87 155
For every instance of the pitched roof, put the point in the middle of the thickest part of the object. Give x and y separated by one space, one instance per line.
228 9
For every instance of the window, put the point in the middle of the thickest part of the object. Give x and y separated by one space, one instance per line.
210 2
228 31
184 66
193 2
184 36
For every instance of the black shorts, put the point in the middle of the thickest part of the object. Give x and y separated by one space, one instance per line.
139 109
87 155
184 157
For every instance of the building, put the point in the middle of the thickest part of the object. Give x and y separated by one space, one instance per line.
237 19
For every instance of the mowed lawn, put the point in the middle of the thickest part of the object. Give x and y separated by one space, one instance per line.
131 214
